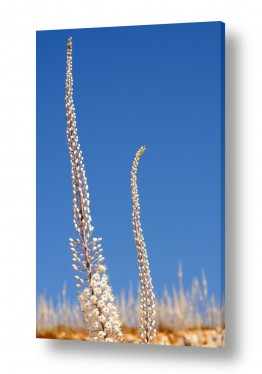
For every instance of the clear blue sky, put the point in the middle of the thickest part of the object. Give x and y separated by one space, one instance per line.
161 86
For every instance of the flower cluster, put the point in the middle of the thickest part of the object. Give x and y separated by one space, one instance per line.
99 312
101 317
147 298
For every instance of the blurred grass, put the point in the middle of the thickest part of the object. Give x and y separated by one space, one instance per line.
188 317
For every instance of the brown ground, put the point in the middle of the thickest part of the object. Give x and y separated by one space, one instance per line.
204 337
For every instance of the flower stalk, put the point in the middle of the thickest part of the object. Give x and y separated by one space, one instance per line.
147 298
100 315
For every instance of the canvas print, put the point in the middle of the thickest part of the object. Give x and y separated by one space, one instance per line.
130 184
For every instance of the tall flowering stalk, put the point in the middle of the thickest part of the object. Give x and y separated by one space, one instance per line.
100 315
147 298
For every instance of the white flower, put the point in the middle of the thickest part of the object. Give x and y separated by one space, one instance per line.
97 291
93 298
111 298
96 277
101 268
95 312
108 325
106 311
102 318
100 303
88 251
101 334
103 283
147 311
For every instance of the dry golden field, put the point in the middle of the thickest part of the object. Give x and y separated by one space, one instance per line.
203 337
183 318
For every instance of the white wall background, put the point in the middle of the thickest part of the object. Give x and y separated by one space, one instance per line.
20 351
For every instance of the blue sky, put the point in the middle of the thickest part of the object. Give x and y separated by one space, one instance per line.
161 86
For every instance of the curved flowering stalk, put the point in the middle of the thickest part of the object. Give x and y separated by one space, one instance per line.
99 312
147 303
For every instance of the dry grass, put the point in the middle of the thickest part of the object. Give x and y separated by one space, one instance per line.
188 318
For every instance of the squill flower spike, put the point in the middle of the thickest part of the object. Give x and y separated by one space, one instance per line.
147 297
101 322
